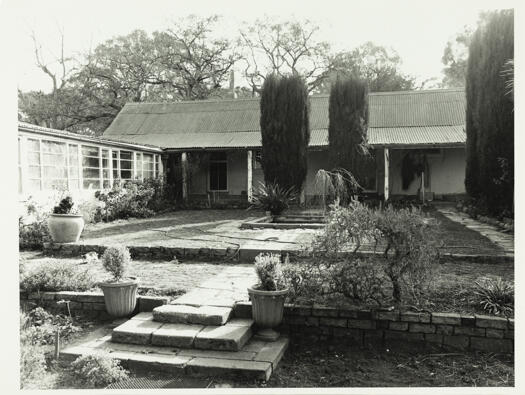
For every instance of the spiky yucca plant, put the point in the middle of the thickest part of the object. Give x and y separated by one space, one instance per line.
495 295
273 198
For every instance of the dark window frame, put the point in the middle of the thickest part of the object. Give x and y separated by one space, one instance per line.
221 159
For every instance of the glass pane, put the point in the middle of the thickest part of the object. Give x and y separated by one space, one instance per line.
53 147
73 154
51 172
125 174
91 184
218 181
90 162
90 173
125 155
34 185
106 184
105 154
33 158
147 157
115 173
34 171
90 151
73 172
114 154
55 184
73 184
33 145
54 160
148 174
126 165
105 173
105 163
115 163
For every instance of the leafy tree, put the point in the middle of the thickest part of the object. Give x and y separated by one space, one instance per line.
455 58
283 48
285 130
378 66
348 122
490 113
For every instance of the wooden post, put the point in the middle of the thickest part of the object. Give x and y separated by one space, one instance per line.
184 168
387 166
57 345
249 186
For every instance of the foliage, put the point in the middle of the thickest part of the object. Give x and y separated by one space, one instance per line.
283 48
285 131
132 198
490 113
32 226
97 371
65 206
116 260
377 65
348 123
496 296
40 327
54 276
32 356
454 59
269 272
271 197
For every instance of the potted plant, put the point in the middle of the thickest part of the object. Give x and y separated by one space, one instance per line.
268 296
120 294
273 199
66 223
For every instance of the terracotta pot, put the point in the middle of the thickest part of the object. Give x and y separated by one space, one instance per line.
65 228
267 311
121 297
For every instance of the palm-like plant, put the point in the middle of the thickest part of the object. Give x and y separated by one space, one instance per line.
273 198
495 295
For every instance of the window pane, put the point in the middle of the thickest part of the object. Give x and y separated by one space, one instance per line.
90 173
54 184
115 173
51 172
106 184
126 165
33 145
125 155
34 171
33 158
73 154
53 147
125 174
73 172
54 160
89 151
105 173
90 162
34 185
114 154
218 176
91 184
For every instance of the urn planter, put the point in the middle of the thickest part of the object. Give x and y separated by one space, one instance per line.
267 311
120 297
65 228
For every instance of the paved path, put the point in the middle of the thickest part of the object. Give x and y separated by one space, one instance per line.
223 289
504 240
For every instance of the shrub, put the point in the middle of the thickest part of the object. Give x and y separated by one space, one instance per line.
96 371
269 272
116 260
65 206
495 296
32 226
32 356
53 277
271 197
40 326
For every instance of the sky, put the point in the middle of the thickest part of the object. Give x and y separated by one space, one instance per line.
417 30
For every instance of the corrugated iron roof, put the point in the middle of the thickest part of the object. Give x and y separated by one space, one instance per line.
396 118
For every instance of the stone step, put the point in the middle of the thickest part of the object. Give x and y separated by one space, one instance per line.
184 314
143 330
256 359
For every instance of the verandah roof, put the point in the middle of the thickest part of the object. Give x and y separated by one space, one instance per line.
410 118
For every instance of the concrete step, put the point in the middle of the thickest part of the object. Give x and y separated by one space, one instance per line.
256 359
184 314
143 330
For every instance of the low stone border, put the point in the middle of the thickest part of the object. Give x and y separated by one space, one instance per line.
86 303
266 223
229 254
448 330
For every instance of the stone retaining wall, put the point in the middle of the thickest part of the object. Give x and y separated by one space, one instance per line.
448 330
86 303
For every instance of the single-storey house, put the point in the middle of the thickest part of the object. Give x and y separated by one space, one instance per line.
212 148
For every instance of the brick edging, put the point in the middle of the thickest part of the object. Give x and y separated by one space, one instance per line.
449 330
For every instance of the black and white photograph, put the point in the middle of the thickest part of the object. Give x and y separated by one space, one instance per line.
261 196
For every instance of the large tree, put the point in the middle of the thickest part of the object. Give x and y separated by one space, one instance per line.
455 58
285 130
282 48
377 65
348 122
490 113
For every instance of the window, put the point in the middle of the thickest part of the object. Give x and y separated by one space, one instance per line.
91 167
138 164
33 162
148 165
157 165
19 166
218 171
126 165
54 162
105 168
257 160
74 182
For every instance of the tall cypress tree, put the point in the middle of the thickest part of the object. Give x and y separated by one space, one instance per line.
285 130
348 122
490 114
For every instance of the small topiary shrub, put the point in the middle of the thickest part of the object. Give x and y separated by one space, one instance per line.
65 206
54 277
96 371
495 296
269 272
116 260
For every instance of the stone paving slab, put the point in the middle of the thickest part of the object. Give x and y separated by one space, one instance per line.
256 359
504 240
204 315
135 331
223 338
176 335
